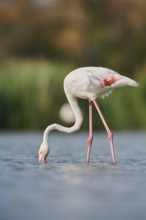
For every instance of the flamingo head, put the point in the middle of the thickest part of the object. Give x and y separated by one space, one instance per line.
43 152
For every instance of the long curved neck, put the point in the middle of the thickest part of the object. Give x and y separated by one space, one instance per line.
78 119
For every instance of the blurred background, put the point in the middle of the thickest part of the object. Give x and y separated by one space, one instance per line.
41 41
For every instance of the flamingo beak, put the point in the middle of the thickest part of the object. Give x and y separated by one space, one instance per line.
42 158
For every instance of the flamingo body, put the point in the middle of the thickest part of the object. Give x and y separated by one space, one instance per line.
93 82
87 83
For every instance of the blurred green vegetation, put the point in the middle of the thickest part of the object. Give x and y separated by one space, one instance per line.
43 40
31 94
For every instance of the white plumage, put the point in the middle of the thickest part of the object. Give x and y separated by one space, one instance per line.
93 82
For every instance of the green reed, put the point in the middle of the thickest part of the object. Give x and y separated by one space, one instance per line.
31 94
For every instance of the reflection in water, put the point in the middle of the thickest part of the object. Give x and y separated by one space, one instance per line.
66 187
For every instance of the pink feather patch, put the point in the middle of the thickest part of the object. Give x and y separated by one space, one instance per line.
108 82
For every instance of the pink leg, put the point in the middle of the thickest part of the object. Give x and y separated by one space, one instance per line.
110 135
90 138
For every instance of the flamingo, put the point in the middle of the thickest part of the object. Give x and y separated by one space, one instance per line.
87 83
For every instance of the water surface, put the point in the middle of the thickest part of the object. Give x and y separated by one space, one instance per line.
65 187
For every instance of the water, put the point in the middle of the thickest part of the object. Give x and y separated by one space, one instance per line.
65 187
